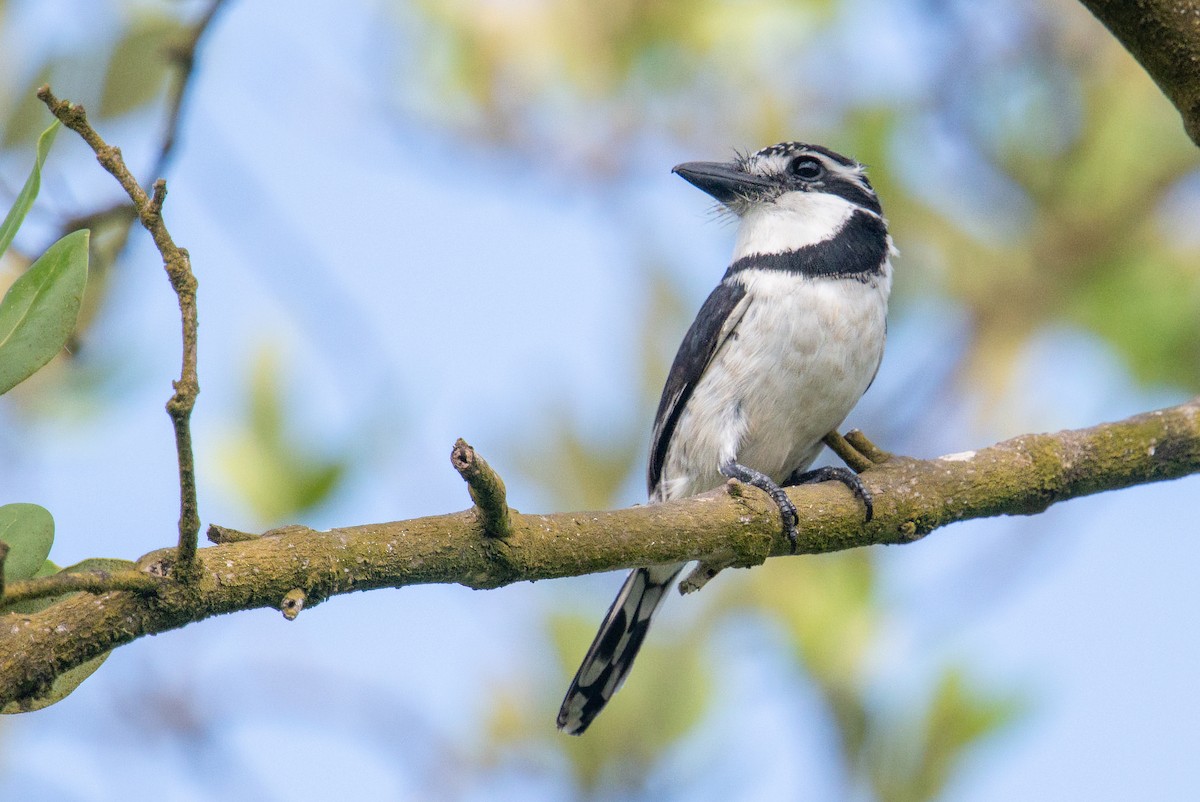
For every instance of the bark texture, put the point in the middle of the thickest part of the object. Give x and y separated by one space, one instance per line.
1164 36
1021 476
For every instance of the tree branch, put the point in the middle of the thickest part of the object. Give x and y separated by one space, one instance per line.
3 557
90 581
294 566
1164 36
185 56
179 271
486 489
846 452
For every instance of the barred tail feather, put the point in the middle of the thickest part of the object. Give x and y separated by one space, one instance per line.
611 655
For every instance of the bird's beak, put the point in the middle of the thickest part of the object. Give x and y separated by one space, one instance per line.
725 182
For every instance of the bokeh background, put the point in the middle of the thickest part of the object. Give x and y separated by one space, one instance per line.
414 221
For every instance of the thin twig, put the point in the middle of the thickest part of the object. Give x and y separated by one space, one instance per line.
860 443
846 452
184 56
3 557
293 603
179 271
87 581
223 534
486 489
702 574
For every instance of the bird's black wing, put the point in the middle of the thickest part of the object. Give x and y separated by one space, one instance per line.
713 324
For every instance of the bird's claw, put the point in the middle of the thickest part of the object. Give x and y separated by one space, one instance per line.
837 474
787 510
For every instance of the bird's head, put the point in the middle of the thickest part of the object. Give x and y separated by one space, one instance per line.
787 196
765 177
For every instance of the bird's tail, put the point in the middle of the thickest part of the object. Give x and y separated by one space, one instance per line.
611 655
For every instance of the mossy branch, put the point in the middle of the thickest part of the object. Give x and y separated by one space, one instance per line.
913 497
486 489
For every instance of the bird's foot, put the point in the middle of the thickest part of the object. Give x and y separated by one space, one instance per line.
836 474
787 510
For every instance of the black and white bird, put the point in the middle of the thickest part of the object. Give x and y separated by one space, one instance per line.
777 357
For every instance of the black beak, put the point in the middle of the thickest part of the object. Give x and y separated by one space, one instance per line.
724 182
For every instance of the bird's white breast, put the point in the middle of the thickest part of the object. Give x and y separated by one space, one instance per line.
802 355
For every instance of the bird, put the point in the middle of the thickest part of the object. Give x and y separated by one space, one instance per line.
775 360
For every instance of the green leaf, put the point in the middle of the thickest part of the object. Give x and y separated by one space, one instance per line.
29 532
916 760
270 467
100 564
25 198
61 687
39 310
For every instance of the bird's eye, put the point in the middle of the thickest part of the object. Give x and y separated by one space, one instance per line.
806 168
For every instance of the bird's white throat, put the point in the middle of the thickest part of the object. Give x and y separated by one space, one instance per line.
792 221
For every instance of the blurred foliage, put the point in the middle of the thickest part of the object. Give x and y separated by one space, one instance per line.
1023 178
583 471
916 760
1022 157
904 749
579 471
622 749
137 68
119 71
269 466
515 72
1023 166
